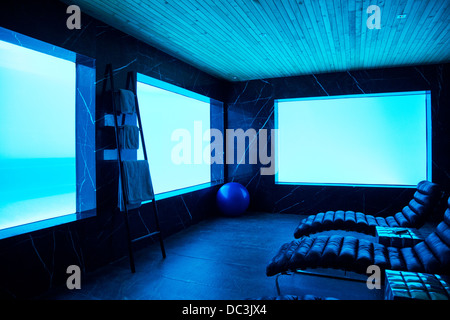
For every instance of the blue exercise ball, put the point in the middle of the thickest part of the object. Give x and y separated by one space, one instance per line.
233 199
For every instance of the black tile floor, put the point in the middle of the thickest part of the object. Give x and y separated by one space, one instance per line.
217 259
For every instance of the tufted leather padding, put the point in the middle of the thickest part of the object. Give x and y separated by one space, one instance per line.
415 285
412 216
353 254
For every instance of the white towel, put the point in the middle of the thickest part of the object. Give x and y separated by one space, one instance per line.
127 101
129 137
137 184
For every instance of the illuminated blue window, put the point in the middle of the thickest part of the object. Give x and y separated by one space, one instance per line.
42 88
367 140
176 124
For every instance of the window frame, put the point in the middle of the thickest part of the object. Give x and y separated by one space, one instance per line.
84 118
216 122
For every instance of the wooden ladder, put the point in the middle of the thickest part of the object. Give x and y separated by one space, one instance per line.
131 85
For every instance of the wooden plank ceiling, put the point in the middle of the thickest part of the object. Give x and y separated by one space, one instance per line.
255 39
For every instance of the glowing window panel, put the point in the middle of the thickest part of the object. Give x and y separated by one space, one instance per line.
37 130
359 140
175 123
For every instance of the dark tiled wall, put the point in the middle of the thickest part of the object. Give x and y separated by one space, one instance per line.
32 263
250 105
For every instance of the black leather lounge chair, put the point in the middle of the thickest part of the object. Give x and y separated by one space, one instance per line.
352 254
412 216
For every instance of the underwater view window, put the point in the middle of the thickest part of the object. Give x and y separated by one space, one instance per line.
354 140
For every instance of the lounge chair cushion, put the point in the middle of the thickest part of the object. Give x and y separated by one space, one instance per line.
412 216
353 254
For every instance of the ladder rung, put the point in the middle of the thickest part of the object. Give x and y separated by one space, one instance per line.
146 236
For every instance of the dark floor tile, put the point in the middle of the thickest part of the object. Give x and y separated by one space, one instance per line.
217 259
